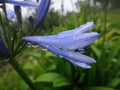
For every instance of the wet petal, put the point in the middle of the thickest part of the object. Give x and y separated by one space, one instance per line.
74 57
76 31
68 43
68 40
83 65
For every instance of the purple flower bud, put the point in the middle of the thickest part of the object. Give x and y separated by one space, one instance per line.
30 18
42 12
64 42
4 53
18 13
17 8
68 39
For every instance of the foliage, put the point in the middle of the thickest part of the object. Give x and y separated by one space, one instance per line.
114 3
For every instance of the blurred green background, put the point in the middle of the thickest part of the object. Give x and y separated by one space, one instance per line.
50 72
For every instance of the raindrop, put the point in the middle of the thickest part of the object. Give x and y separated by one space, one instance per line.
44 49
61 56
35 46
12 39
6 60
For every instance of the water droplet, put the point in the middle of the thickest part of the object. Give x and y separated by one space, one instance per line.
12 39
35 46
6 60
60 56
44 49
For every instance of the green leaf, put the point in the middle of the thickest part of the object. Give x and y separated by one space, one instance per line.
38 67
81 79
35 67
34 54
114 83
114 51
51 67
58 80
96 51
61 82
48 77
28 66
99 88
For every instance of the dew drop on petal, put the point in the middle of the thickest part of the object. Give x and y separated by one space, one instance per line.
44 49
61 56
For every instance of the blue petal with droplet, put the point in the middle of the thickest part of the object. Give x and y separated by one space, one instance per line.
76 31
70 43
74 57
62 44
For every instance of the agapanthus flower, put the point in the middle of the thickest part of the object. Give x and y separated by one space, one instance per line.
4 53
65 44
42 8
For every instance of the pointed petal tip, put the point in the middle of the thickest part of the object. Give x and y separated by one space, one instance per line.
94 61
27 38
94 35
88 67
85 66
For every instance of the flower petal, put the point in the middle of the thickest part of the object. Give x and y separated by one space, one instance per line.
42 12
74 57
67 43
83 65
77 31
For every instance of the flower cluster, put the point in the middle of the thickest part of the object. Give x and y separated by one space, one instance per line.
6 35
64 43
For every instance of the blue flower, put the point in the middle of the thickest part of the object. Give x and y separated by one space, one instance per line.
65 43
42 8
42 12
4 53
21 3
17 8
10 14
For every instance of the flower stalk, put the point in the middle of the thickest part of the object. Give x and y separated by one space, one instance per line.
22 74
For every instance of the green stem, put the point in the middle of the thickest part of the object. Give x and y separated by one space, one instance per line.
22 74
